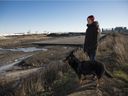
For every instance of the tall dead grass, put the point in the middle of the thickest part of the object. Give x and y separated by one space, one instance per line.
52 80
115 46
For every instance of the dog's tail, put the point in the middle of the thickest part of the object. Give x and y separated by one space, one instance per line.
108 74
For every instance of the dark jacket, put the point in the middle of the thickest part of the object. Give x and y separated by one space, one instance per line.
91 36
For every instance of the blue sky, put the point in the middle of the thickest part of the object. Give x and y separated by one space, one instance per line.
60 16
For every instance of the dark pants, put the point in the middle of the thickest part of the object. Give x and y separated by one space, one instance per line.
91 52
92 55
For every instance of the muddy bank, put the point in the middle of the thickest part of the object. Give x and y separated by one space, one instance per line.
28 49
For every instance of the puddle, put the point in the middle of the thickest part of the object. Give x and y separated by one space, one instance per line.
4 68
29 49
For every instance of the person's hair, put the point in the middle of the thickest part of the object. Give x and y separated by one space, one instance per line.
91 17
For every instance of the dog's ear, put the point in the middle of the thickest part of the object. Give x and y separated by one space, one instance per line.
86 53
76 49
65 60
73 51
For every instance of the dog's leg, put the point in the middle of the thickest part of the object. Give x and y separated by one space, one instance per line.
97 82
79 76
94 77
84 78
81 81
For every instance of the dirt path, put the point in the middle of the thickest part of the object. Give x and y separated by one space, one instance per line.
73 40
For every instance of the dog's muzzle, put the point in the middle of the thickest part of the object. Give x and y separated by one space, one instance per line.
65 61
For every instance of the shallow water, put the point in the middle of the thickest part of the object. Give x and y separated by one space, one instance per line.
29 49
9 66
6 67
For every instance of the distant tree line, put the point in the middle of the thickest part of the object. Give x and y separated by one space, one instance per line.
116 29
66 34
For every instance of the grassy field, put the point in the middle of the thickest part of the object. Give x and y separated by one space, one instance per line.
21 40
45 74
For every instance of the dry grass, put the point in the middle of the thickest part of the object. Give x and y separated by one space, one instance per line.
121 75
113 50
19 41
54 80
58 79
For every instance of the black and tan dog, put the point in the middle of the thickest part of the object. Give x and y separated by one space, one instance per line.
94 68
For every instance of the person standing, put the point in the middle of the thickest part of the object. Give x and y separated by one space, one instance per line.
91 37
